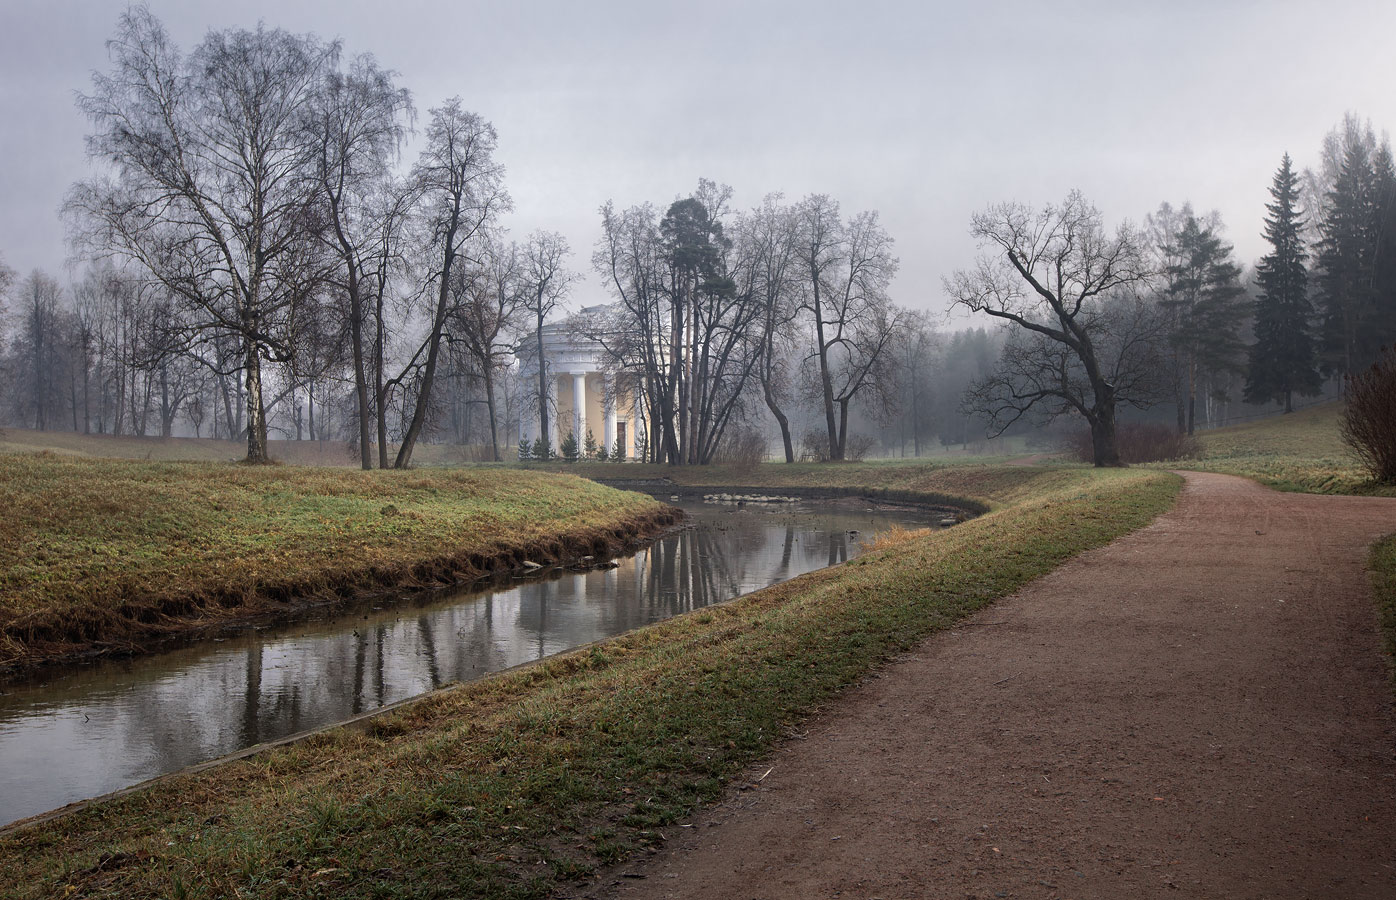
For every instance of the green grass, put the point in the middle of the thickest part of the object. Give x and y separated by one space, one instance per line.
115 552
508 786
1300 452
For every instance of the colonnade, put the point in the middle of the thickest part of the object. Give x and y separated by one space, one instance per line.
588 396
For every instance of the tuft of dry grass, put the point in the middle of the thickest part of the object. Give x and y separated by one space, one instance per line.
896 536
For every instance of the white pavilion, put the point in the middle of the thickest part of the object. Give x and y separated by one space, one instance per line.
581 395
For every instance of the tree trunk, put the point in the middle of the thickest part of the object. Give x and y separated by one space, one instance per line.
825 379
1192 395
1103 443
419 413
380 390
489 405
843 429
545 435
256 419
781 419
356 339
86 400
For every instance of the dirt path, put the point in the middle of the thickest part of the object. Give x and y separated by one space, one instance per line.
1200 709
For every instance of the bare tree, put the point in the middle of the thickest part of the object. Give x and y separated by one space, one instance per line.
544 281
357 128
917 359
767 237
846 268
461 191
213 193
488 304
1058 276
37 346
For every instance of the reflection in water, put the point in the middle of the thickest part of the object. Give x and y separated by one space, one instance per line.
93 730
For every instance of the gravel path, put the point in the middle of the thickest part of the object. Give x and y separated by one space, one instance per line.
1200 709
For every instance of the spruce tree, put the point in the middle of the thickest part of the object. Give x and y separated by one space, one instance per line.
1351 322
1207 304
569 448
1284 358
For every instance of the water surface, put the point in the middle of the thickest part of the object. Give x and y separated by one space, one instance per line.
86 731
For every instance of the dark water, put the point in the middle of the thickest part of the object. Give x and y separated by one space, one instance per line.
95 729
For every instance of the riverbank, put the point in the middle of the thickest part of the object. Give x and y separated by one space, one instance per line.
511 785
101 556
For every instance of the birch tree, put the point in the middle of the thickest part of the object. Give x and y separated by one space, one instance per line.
211 192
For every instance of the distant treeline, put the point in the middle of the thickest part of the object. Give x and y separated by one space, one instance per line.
260 258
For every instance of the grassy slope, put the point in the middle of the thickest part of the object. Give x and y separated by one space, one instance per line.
1297 452
117 550
989 484
506 786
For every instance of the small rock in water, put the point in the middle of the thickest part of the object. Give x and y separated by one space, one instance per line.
530 564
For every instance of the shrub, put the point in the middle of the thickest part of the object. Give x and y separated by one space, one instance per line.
1368 425
525 449
814 446
618 451
742 447
856 446
1140 442
589 446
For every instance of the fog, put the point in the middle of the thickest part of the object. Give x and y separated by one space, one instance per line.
922 111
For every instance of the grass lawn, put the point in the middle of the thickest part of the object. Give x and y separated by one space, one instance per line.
508 786
113 553
1300 452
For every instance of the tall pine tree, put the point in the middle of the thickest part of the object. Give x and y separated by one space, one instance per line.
1351 301
1283 359
1207 304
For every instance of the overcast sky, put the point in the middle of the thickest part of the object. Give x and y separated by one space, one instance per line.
924 111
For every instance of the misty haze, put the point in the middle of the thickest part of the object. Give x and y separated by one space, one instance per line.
639 450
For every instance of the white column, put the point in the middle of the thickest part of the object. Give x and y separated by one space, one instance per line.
528 424
610 418
579 414
553 425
